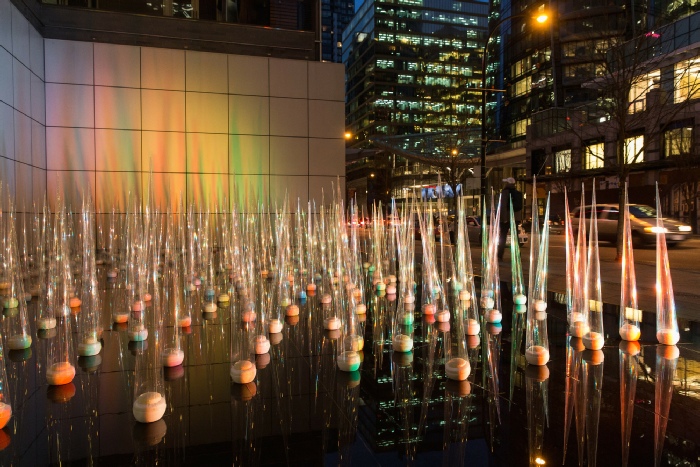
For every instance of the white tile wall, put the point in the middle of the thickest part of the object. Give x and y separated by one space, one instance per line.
70 105
70 148
38 99
249 189
117 65
327 81
167 188
68 62
209 125
294 187
162 69
118 150
325 186
23 138
20 37
289 156
72 184
22 109
288 78
39 187
7 176
36 52
163 110
249 154
23 191
249 115
7 90
6 24
39 146
248 75
107 197
326 118
289 117
206 112
118 108
321 153
7 131
22 87
207 153
206 72
206 191
163 151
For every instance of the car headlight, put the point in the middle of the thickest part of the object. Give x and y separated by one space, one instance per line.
655 229
684 228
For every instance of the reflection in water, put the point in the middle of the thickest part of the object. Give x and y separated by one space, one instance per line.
58 421
629 372
378 316
568 393
536 392
516 349
328 371
304 398
431 349
493 357
592 373
148 442
578 394
90 387
456 416
402 379
244 408
17 365
281 390
666 363
348 391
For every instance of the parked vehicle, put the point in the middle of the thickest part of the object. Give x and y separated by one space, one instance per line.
642 223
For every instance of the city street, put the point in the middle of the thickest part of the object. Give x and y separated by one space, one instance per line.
683 258
685 269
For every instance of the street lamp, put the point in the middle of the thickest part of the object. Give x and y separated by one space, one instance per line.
540 19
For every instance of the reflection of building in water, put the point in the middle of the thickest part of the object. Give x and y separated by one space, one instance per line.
380 417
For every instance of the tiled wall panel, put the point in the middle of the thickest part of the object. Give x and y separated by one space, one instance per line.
97 118
22 110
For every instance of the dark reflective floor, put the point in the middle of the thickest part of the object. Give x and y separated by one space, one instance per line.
398 410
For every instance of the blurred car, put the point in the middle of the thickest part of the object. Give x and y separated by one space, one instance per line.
556 224
642 223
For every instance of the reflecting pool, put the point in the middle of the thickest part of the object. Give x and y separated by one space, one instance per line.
629 404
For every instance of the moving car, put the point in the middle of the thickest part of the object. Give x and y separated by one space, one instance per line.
642 223
556 224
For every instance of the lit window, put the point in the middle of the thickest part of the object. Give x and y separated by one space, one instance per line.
678 141
594 156
634 149
687 83
639 89
562 161
519 128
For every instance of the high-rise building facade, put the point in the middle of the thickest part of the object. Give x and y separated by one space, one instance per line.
541 68
413 66
335 15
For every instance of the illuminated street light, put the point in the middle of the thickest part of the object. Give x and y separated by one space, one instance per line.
542 18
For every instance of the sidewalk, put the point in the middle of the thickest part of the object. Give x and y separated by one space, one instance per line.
686 284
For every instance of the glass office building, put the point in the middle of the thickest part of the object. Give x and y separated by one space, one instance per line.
412 67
